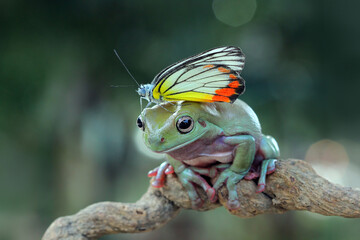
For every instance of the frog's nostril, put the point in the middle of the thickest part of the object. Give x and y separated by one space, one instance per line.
162 139
202 123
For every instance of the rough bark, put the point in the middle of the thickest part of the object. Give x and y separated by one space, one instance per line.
293 186
150 212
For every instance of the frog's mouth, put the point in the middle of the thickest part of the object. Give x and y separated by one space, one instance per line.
184 144
202 151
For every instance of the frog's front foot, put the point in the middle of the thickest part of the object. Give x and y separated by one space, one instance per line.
267 167
252 174
230 178
160 174
189 178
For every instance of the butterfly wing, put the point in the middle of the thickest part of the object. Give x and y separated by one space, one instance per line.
211 76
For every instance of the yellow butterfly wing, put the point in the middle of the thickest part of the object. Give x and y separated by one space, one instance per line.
212 76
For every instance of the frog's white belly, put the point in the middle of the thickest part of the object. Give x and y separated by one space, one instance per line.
206 159
205 152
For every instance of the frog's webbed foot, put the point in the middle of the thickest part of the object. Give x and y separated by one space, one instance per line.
189 179
160 174
252 174
270 150
267 167
230 178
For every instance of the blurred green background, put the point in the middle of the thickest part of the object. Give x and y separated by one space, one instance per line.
67 139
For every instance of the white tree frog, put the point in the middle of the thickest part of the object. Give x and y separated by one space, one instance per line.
208 139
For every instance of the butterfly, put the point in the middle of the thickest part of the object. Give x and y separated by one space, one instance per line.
211 76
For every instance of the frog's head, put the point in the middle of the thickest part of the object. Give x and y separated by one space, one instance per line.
170 126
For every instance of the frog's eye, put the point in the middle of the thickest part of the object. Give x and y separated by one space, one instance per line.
185 124
140 124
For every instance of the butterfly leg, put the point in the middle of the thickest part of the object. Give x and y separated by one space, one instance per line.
147 105
164 108
171 103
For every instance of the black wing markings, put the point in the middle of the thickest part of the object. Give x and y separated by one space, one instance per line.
199 60
195 58
187 79
176 82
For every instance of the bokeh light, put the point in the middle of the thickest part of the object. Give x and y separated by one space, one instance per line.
234 12
329 159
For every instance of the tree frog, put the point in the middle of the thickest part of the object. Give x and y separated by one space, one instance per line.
209 145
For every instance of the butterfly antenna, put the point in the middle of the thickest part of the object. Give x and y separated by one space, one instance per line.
115 86
117 55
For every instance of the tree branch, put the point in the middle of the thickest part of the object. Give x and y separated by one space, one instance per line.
294 186
150 212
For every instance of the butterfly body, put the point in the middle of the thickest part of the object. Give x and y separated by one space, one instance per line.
145 92
211 76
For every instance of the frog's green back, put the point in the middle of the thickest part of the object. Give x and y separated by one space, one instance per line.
234 118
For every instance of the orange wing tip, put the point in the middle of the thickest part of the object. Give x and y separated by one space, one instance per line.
239 87
234 84
224 70
232 76
217 98
209 66
226 92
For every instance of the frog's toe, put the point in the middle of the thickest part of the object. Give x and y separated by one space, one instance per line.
260 188
231 179
199 180
211 193
233 204
271 166
160 175
270 171
267 167
169 170
158 183
228 176
152 173
233 199
197 203
220 181
195 199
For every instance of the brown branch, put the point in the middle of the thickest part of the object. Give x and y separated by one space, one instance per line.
294 186
94 221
